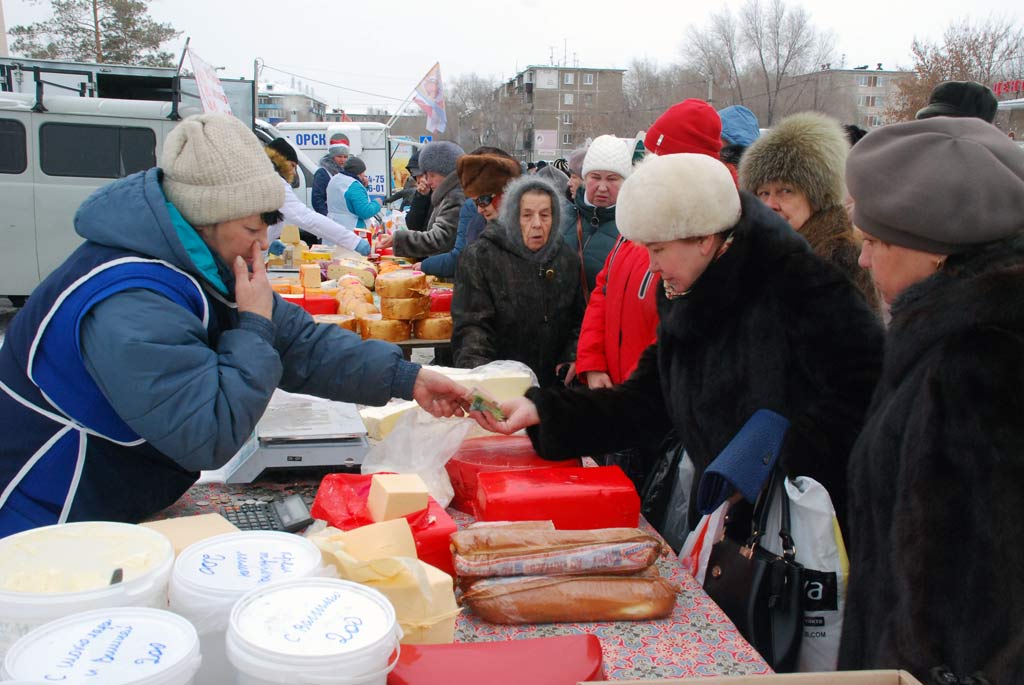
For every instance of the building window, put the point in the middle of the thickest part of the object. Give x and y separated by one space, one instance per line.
568 99
529 76
867 81
566 139
871 121
567 118
588 79
869 101
13 144
95 151
568 78
588 99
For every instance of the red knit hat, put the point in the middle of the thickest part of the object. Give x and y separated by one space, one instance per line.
691 126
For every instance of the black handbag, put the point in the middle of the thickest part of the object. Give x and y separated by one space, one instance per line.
761 592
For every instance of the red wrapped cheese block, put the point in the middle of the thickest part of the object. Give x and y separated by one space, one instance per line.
341 501
541 661
572 498
440 299
320 303
493 453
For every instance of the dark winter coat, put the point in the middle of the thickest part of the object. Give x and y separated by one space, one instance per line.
769 325
830 235
419 212
937 480
321 179
512 304
597 226
438 236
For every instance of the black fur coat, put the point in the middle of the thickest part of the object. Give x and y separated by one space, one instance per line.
769 325
937 480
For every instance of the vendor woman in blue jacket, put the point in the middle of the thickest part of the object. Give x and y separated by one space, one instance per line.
151 353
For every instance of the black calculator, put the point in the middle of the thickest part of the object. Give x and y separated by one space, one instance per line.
289 514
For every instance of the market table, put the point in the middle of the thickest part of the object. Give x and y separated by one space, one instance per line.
696 640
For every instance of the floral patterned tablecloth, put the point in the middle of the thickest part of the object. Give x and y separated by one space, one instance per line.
696 640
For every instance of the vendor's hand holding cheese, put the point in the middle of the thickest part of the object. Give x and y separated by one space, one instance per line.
151 353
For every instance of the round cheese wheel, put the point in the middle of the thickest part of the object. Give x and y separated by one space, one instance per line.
401 283
389 267
433 328
348 281
440 299
405 308
346 321
372 326
363 309
353 294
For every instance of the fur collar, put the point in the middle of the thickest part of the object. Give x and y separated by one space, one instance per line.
328 164
446 186
281 165
828 231
980 289
762 246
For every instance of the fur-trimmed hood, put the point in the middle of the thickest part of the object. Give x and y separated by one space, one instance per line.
282 166
809 150
328 164
508 217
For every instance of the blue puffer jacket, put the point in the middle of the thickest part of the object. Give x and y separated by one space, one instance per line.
471 225
348 203
130 368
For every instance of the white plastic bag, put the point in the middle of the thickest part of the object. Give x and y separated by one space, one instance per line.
697 548
821 551
420 444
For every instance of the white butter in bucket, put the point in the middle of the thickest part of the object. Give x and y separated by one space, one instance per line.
119 646
318 631
54 571
211 575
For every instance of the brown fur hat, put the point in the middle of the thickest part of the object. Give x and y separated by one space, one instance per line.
282 164
809 150
485 174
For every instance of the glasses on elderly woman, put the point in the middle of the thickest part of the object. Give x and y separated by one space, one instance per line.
483 200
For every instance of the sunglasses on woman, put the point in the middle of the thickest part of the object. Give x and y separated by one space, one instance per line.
483 200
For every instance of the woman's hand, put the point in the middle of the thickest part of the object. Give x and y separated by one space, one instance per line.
252 290
439 395
421 185
597 379
384 241
519 414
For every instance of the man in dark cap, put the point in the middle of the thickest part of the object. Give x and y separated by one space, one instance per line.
961 99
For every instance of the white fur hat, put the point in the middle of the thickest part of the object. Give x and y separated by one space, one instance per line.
677 196
608 153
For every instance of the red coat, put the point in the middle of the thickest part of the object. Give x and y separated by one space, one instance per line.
622 316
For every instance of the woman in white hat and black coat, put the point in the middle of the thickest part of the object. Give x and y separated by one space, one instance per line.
750 319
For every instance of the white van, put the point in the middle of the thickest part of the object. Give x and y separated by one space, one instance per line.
52 160
367 140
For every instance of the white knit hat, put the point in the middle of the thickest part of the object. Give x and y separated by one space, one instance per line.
608 153
216 170
677 196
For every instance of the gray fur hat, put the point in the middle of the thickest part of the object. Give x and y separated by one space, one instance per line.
576 160
440 157
215 170
940 185
808 150
555 176
508 215
354 165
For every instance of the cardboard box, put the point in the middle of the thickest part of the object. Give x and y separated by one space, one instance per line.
837 678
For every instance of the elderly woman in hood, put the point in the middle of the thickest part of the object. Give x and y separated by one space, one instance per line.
519 294
798 169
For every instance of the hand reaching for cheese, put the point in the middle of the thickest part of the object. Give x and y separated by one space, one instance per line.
439 395
519 414
252 290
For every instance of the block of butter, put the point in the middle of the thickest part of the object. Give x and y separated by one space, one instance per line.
385 539
183 531
393 495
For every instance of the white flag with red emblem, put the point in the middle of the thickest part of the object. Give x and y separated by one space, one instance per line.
430 98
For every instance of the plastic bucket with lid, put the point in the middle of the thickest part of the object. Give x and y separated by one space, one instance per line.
318 631
116 646
209 577
51 572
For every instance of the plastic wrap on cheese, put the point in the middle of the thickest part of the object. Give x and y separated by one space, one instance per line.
405 308
373 326
437 326
346 321
571 599
402 283
503 551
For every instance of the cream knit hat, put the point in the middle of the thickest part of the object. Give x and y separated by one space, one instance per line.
216 170
675 197
608 153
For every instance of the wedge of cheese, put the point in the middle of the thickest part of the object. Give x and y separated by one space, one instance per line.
363 270
310 275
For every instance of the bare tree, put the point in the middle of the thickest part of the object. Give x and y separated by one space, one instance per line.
115 31
986 51
755 56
